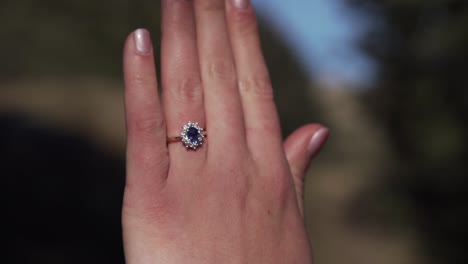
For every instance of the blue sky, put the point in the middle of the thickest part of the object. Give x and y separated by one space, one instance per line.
322 34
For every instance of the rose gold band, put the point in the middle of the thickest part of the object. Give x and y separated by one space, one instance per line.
179 138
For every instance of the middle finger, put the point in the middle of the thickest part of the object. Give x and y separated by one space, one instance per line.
223 108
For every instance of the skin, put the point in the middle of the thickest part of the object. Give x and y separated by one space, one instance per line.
238 198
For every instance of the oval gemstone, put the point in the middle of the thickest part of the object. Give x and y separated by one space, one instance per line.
193 135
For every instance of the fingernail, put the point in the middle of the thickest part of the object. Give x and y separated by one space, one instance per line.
317 141
143 41
241 4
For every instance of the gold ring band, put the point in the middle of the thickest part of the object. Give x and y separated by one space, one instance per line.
191 135
179 138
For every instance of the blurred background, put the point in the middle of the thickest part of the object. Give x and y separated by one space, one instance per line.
388 77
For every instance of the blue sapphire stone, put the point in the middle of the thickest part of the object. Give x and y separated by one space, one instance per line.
193 135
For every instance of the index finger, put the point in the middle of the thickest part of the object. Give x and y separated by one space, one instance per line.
147 159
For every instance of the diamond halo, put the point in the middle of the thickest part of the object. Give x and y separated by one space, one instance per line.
192 135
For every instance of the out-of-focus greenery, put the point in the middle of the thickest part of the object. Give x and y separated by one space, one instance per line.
421 97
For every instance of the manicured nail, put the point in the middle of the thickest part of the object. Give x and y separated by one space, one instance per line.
143 41
241 4
317 141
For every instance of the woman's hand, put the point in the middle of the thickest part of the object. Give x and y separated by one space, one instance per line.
238 197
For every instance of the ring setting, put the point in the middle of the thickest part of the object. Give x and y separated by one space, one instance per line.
192 136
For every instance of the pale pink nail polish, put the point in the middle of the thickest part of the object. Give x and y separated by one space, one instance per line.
317 140
143 41
241 4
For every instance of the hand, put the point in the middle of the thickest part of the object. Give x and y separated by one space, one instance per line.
238 197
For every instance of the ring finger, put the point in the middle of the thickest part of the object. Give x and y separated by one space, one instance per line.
181 81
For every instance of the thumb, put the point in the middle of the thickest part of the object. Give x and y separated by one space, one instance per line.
300 147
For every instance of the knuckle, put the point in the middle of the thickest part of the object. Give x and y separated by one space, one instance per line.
180 22
279 186
221 69
237 189
140 80
211 5
244 23
150 210
146 198
259 87
154 163
234 184
148 124
189 90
